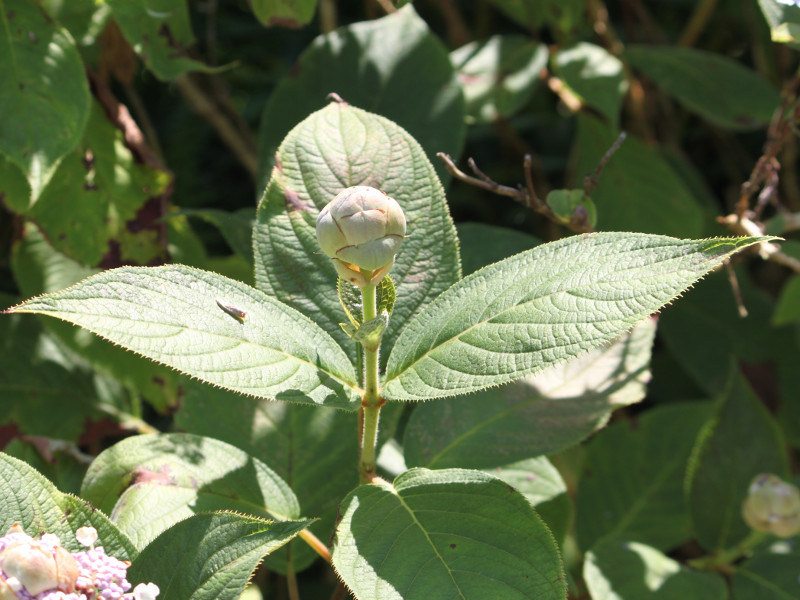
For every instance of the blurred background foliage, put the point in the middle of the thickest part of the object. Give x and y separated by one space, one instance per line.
144 131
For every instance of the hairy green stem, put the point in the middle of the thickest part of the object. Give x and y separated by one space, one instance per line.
371 401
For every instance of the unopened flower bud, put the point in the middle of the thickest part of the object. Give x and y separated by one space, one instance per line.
361 229
773 506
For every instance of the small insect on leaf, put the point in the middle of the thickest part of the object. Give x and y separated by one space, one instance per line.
236 313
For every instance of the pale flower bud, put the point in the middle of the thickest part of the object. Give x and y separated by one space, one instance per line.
773 506
39 567
361 229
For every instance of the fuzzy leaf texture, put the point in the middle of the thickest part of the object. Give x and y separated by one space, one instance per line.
191 321
210 556
451 533
543 306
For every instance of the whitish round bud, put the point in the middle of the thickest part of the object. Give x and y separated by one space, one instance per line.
361 229
773 506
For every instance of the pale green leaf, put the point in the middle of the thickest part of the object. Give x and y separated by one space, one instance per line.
543 306
739 441
150 482
44 98
291 13
620 570
210 556
632 481
29 499
159 32
541 414
498 75
171 315
334 148
595 75
374 65
84 19
445 534
716 87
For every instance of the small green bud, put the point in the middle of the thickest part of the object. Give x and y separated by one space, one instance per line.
773 506
361 229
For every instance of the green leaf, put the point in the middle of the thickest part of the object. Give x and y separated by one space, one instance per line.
638 189
45 96
236 227
60 462
350 299
354 62
783 20
32 501
150 482
38 268
769 574
295 13
631 485
715 87
369 334
595 75
84 19
498 75
738 442
482 244
385 295
210 556
100 216
619 570
160 33
315 450
788 307
540 414
45 389
170 314
543 306
445 534
541 483
334 148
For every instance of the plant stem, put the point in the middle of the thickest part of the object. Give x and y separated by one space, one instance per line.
371 401
724 559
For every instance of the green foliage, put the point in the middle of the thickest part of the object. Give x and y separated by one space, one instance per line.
438 524
228 410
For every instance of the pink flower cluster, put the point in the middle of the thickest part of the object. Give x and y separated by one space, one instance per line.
41 569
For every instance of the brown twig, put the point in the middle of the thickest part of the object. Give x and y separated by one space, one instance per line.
216 111
328 16
387 6
697 22
590 182
737 291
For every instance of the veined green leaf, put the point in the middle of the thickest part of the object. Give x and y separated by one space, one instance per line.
32 501
543 306
445 534
539 414
44 96
150 482
172 315
210 556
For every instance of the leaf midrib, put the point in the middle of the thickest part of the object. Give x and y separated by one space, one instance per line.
453 339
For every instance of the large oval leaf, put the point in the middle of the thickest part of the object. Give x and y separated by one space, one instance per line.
543 306
150 482
192 320
445 534
210 556
45 96
334 148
